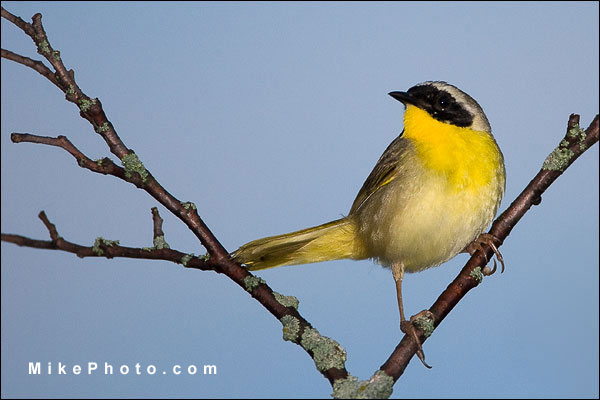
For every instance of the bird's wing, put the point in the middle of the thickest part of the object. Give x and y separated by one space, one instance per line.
383 173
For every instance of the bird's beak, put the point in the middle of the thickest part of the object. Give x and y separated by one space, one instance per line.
403 97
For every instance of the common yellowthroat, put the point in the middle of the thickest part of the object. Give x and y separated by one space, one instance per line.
431 194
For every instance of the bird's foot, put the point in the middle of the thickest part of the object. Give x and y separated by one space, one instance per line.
424 321
491 241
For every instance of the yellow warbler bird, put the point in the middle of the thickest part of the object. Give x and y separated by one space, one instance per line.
431 194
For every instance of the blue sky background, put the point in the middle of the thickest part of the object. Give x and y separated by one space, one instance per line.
269 116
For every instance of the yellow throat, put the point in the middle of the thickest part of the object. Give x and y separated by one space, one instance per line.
470 159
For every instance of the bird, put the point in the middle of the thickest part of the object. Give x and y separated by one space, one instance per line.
430 196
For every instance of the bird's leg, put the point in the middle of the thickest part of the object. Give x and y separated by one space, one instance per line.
477 244
406 326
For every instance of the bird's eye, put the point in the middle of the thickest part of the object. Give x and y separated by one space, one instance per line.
443 101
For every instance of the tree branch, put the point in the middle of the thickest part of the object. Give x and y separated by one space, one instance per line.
133 171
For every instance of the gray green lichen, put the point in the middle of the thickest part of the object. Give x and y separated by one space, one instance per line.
204 257
578 133
380 386
250 282
188 204
425 324
327 353
477 275
348 388
560 157
102 128
56 55
185 259
85 104
132 164
103 242
286 301
70 92
44 47
558 160
160 242
291 328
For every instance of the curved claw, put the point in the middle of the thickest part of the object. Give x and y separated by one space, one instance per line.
408 328
486 238
498 256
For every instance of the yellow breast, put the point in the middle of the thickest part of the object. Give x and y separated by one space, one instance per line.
445 192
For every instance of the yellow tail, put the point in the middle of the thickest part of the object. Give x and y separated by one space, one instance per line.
331 241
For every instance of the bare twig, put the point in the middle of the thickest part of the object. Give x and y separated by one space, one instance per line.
157 223
34 64
106 248
103 166
50 226
27 28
